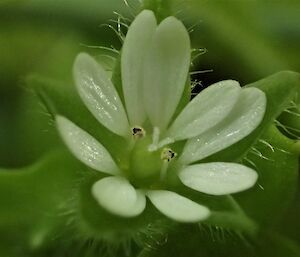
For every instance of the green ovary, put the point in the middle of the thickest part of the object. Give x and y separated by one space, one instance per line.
145 166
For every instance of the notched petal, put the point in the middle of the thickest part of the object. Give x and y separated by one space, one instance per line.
85 148
206 110
166 71
118 196
246 115
99 94
177 207
218 178
135 47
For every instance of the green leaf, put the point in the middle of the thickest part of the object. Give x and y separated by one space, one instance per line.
34 201
277 165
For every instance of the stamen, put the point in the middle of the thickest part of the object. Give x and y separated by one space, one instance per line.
166 141
155 139
168 154
164 169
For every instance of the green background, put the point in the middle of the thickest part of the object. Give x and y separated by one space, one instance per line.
244 40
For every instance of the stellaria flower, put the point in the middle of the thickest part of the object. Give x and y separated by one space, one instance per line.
155 62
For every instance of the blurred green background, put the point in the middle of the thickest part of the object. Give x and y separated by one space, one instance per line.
244 40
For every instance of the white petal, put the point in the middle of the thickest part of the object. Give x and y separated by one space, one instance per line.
246 115
166 71
85 148
177 207
136 45
99 94
218 178
207 109
118 196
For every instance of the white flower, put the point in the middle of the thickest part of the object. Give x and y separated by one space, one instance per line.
154 65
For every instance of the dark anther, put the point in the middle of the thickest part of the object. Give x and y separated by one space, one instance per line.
172 154
168 154
138 132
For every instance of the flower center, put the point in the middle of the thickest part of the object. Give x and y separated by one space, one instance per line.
148 168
